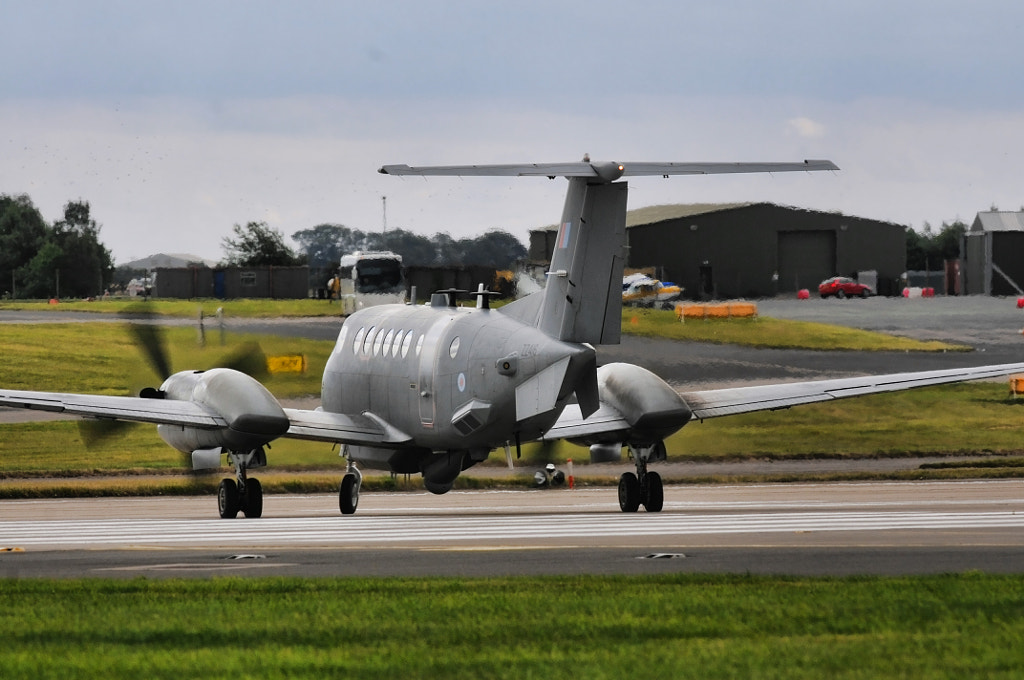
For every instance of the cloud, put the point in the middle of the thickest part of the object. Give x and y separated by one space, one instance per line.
805 127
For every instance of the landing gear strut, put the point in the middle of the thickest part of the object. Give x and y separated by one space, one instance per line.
243 493
644 487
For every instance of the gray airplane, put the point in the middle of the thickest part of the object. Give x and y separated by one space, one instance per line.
433 389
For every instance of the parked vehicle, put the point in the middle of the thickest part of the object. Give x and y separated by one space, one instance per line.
844 286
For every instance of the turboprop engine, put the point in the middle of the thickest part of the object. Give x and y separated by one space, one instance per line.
651 409
251 415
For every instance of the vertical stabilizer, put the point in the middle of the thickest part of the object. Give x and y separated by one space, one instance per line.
583 298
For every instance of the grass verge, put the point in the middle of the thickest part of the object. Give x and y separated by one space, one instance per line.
767 332
242 308
678 626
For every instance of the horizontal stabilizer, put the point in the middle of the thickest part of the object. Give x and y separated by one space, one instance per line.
603 171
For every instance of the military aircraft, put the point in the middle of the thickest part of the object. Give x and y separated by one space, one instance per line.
433 389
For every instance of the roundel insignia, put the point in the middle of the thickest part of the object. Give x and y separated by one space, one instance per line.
462 382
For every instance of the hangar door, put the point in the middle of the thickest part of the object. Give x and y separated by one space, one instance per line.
806 258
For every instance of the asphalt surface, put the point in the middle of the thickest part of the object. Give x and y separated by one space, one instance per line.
806 529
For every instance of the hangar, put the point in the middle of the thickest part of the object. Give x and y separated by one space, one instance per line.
753 249
990 254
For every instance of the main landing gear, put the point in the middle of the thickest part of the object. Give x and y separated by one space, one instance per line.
348 493
644 487
242 494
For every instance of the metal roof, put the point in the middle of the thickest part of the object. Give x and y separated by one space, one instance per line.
998 220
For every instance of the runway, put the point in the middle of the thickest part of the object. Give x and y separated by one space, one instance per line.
862 528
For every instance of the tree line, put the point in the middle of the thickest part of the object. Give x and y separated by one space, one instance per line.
41 260
323 245
67 259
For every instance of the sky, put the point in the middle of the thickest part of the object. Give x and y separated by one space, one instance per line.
178 120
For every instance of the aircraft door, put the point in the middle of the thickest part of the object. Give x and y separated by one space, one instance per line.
428 370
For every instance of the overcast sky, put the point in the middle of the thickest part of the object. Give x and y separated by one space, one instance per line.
177 120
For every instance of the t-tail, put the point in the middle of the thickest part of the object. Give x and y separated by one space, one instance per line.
582 302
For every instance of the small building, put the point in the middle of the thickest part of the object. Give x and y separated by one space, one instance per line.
992 254
750 250
289 283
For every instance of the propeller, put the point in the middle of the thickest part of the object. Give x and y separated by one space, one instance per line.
151 339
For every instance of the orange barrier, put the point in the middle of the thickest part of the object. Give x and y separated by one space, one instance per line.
1016 385
725 310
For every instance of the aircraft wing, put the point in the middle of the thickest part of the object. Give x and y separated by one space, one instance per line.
607 421
159 411
364 429
733 401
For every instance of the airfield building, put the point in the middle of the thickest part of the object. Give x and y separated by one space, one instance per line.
751 250
991 261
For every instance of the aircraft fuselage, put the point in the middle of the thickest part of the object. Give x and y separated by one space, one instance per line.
460 379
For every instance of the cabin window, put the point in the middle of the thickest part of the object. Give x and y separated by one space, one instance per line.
368 342
378 342
358 342
397 344
386 347
453 349
406 344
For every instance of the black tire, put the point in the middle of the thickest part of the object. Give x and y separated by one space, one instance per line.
864 294
348 494
629 492
654 492
253 505
228 499
840 294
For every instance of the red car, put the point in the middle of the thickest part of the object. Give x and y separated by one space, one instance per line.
843 286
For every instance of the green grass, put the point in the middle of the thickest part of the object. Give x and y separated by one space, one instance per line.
242 308
557 627
766 332
101 358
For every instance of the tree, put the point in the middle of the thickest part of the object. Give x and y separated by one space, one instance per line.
22 233
929 250
416 250
69 252
257 244
324 244
497 248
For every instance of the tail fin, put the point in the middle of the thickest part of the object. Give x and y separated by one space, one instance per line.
583 298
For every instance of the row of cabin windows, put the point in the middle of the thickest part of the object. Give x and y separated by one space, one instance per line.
374 341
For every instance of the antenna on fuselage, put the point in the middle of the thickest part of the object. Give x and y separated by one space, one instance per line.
483 296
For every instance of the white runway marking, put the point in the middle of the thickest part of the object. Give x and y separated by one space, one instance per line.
454 530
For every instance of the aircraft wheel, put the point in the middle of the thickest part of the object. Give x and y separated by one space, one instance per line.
228 499
654 492
629 492
348 494
253 505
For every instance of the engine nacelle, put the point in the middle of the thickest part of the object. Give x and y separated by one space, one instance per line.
251 414
606 453
651 407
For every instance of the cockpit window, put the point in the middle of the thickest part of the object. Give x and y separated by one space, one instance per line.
453 349
368 342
